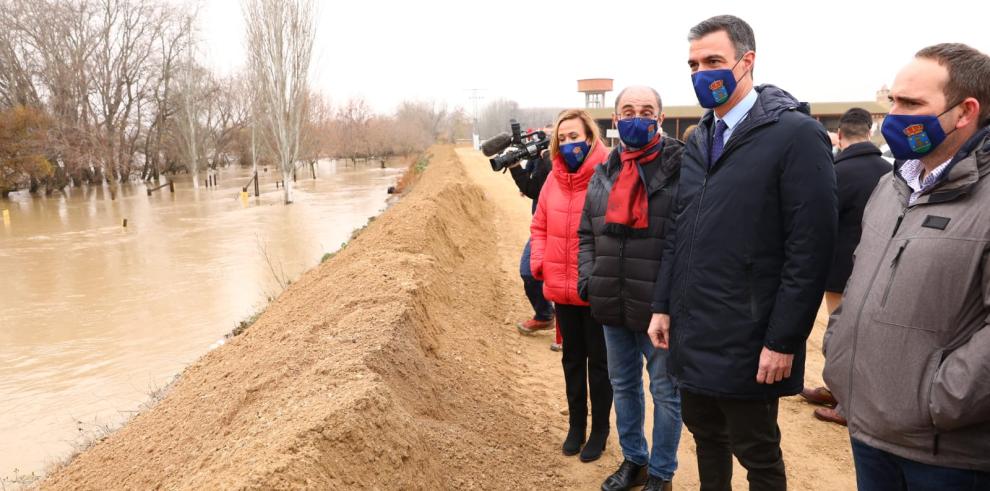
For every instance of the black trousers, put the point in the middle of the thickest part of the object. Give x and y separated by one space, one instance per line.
744 428
585 366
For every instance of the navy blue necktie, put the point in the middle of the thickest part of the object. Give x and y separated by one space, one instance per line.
717 142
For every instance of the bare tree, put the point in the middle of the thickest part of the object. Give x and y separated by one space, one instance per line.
229 112
354 119
126 34
171 46
494 118
280 46
193 87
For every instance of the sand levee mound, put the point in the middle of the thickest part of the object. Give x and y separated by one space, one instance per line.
378 369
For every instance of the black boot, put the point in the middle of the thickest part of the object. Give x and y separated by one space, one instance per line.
628 476
596 444
574 440
655 483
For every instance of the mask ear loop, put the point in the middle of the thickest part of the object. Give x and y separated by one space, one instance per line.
734 67
947 110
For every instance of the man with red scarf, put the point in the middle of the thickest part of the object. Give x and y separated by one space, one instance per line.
626 212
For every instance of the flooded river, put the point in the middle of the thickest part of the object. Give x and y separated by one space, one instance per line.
95 316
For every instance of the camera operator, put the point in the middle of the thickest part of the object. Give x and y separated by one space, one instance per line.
529 180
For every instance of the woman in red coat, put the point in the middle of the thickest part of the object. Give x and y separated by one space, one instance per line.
576 149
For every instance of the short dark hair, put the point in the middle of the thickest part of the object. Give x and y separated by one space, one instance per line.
969 74
856 123
655 94
741 35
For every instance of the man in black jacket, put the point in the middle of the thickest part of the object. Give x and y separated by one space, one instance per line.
530 181
744 268
858 168
618 261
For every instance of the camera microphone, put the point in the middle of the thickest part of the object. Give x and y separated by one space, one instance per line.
496 144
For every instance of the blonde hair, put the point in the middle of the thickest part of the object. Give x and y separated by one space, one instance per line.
591 130
688 131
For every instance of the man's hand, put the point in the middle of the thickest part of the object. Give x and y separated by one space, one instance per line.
659 331
774 366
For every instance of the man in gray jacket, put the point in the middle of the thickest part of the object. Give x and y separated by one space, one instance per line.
908 352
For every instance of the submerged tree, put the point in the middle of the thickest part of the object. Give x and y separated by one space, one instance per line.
280 46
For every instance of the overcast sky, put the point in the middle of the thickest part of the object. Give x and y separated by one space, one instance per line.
534 52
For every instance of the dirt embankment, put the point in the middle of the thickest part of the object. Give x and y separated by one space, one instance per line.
381 368
394 365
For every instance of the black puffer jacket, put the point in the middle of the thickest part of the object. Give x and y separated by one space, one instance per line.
750 249
617 273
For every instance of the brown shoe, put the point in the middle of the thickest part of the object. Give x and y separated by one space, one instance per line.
830 415
821 396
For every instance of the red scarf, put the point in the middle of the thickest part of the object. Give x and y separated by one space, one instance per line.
628 206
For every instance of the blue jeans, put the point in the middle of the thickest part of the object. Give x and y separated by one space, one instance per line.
877 470
542 309
625 351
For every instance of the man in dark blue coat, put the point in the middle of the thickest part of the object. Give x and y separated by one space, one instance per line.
744 268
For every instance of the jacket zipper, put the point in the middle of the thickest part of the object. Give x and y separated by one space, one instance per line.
859 316
567 257
744 131
622 281
931 385
893 272
694 232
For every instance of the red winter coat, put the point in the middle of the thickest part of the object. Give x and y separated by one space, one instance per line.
554 238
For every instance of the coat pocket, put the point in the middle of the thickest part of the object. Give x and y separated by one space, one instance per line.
891 380
754 307
926 282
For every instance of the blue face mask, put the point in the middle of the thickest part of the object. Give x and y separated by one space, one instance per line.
714 87
913 136
574 154
637 132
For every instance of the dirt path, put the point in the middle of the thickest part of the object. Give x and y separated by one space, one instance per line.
395 365
816 454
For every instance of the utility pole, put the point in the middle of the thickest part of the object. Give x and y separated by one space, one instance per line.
475 132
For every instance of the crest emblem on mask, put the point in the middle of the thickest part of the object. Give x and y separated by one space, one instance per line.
918 138
718 91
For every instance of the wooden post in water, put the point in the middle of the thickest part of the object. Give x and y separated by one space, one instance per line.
170 184
256 186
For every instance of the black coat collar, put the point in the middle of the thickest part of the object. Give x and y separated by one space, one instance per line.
857 150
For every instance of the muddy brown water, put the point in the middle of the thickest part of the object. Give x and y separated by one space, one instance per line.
95 316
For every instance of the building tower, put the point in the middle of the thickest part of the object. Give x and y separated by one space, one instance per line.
594 90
